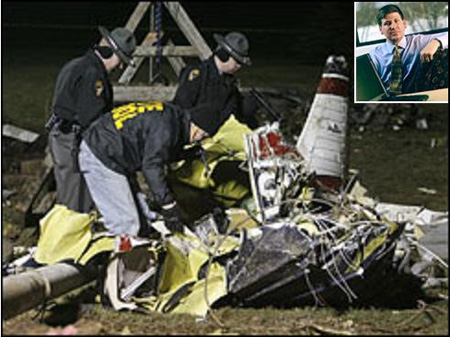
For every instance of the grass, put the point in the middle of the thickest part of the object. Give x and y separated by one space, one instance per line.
394 165
27 94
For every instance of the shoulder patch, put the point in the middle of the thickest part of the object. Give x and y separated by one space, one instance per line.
98 87
193 74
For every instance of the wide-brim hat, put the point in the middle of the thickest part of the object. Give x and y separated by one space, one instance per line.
122 41
236 45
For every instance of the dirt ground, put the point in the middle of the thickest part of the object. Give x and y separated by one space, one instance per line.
426 319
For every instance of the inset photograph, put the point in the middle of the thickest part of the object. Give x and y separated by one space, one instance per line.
401 52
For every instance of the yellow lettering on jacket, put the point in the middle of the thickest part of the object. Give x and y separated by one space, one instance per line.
131 110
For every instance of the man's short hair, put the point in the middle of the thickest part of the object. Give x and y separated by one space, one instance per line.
383 11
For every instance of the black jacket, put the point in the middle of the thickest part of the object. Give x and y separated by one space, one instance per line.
83 90
141 136
202 86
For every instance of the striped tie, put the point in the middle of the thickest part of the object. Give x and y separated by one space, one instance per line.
395 86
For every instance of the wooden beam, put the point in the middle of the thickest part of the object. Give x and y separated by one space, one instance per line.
137 15
129 72
188 28
173 53
143 93
163 93
176 62
132 24
166 51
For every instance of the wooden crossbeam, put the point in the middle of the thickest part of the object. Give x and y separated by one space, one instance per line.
177 63
172 53
137 15
144 93
129 72
161 93
166 51
188 28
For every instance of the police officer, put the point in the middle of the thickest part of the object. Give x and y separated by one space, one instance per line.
138 137
212 84
83 92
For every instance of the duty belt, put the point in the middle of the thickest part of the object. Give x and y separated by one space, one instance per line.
63 125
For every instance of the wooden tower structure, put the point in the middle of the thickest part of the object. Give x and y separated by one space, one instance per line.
123 90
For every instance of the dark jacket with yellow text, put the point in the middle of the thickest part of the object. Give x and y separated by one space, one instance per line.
141 136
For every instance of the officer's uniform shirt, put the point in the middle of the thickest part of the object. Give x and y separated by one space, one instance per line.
203 86
141 136
83 90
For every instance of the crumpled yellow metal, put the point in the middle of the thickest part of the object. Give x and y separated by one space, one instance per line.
227 144
181 288
67 235
64 234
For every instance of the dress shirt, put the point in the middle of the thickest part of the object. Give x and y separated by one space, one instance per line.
411 45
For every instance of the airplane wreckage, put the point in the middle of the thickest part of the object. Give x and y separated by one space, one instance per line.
307 233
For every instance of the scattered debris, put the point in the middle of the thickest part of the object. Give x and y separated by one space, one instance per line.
393 116
18 133
439 142
6 194
66 331
426 190
421 124
310 235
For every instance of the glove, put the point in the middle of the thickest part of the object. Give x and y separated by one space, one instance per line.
221 219
171 215
194 152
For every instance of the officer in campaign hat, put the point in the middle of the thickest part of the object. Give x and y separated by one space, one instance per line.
122 42
212 84
82 93
236 45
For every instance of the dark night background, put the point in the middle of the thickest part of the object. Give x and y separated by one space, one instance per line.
299 31
289 43
254 14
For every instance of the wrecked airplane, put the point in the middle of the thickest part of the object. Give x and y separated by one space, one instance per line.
300 231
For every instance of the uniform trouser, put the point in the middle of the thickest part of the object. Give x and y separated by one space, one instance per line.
71 188
112 194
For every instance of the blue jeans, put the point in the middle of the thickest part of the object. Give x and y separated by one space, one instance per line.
111 192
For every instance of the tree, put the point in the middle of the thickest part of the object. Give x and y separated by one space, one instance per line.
365 18
424 16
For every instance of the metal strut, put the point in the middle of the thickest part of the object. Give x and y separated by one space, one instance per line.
259 97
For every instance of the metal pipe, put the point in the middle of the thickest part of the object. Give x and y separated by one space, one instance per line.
263 102
27 290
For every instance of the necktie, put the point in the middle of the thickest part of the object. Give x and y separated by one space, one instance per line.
395 85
